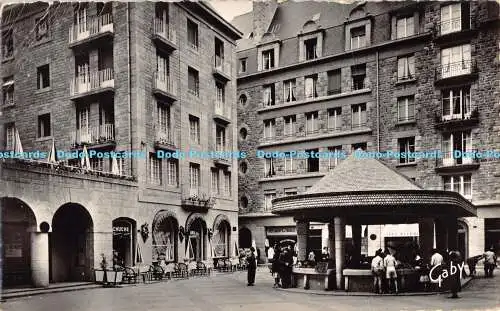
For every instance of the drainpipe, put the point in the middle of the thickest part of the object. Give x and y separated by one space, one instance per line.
129 81
378 105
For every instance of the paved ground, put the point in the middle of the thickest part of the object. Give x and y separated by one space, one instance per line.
228 292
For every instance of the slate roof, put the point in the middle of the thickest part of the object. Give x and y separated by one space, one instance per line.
357 174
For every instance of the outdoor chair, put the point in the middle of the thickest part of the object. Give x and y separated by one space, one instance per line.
129 275
192 265
156 272
243 263
234 264
181 271
209 266
222 265
169 270
201 269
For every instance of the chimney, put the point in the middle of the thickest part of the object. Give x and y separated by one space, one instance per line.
263 13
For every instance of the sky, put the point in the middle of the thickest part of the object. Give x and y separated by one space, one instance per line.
231 8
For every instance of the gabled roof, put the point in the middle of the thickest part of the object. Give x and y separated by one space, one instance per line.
359 174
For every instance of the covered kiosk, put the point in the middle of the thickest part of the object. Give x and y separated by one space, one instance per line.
362 191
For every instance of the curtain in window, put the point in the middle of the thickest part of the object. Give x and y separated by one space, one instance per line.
266 96
310 87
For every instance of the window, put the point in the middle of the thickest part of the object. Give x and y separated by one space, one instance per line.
451 18
10 136
269 129
268 59
43 77
243 99
335 154
268 95
311 122
193 82
162 68
83 120
44 125
358 37
312 161
215 181
357 146
194 129
289 125
456 61
310 85
290 191
358 115
406 146
243 65
405 27
194 178
192 33
456 103
172 172
220 98
154 170
268 197
461 184
220 138
335 119
289 163
7 44
310 47
289 91
406 68
41 29
461 141
406 108
269 167
97 164
163 112
8 91
227 184
219 53
334 82
358 74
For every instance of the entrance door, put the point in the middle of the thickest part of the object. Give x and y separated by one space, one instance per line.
123 241
195 245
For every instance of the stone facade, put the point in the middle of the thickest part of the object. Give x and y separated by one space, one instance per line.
134 42
383 130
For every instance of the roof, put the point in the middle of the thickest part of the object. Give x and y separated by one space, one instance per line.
358 174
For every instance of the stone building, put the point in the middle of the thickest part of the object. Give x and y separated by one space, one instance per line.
390 76
140 79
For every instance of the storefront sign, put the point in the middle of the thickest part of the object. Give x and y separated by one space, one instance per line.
13 250
121 230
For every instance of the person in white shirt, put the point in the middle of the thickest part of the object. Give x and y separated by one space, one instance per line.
377 271
437 258
270 254
390 270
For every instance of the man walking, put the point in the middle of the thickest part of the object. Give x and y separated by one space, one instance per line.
490 262
252 267
390 270
455 283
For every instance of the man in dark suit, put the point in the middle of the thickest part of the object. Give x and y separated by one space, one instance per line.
252 267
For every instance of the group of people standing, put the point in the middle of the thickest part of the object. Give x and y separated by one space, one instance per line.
384 268
282 260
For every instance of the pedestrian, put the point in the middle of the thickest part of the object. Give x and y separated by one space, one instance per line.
286 279
377 271
311 258
252 267
490 262
454 279
390 270
276 267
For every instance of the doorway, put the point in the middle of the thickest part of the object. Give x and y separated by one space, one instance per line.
124 241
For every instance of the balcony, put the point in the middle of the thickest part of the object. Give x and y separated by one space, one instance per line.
453 29
221 158
164 36
101 135
464 71
92 83
451 121
196 202
222 113
457 161
165 139
94 30
164 86
221 69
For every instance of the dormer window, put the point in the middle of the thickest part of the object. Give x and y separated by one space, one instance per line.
311 47
268 59
358 37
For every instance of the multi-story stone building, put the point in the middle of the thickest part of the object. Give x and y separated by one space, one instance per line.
398 76
142 78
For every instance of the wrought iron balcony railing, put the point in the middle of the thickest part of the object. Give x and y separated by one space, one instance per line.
464 67
94 135
91 81
458 157
166 137
93 26
452 25
165 83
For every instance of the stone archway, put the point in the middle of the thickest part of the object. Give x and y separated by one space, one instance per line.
221 236
196 238
72 244
18 222
165 236
245 238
